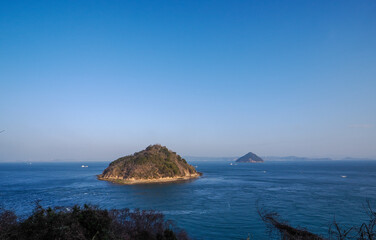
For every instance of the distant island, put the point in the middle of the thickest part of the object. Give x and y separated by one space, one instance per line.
294 158
250 158
153 165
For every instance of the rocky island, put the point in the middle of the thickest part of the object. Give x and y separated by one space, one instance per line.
154 164
250 158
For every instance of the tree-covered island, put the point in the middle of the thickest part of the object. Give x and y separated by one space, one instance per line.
154 164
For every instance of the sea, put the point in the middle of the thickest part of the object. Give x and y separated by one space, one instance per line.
223 204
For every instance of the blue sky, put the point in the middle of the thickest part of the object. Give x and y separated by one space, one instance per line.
100 79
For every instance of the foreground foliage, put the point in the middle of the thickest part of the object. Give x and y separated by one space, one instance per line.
366 231
87 222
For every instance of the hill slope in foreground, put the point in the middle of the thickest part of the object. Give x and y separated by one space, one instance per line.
154 164
250 158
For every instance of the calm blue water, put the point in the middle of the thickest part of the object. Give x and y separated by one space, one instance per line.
220 205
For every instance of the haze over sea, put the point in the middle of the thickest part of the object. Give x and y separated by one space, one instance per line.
220 205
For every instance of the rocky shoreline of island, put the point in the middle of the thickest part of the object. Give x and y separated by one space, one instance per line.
132 181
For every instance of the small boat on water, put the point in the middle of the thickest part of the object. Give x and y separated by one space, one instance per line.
84 166
343 176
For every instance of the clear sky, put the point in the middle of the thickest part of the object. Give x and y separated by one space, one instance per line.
101 79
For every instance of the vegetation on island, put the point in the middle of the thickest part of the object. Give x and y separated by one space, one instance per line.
154 162
87 223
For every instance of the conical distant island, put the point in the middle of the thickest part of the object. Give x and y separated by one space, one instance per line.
154 164
250 158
